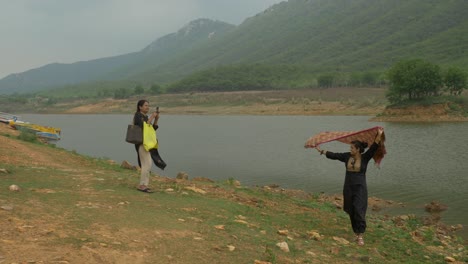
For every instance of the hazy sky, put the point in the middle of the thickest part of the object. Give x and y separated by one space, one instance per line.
34 33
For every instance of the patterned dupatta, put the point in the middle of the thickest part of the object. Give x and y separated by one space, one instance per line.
366 135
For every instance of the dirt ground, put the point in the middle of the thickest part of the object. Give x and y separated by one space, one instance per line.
433 113
332 101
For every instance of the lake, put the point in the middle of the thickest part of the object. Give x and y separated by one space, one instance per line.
424 161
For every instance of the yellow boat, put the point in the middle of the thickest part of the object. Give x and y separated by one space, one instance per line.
37 128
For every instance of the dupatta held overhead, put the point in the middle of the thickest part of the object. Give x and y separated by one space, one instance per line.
366 135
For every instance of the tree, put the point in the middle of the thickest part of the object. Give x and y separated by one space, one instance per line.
104 93
370 78
155 89
138 89
121 93
455 81
413 79
325 80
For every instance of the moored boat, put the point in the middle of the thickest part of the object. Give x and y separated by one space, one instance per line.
48 136
6 117
45 132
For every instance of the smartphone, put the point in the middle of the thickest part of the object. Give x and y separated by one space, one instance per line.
157 109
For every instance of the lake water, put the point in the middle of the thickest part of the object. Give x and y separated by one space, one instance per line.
424 162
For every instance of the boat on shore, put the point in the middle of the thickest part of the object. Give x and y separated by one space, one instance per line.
6 117
48 136
44 132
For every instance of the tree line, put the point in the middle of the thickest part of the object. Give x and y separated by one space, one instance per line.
414 79
410 79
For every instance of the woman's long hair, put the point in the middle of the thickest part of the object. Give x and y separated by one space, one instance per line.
140 104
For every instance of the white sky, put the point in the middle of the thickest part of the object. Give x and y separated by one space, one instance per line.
34 33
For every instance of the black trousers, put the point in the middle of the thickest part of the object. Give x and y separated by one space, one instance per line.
355 204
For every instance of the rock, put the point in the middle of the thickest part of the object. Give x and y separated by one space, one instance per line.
283 246
241 222
449 259
126 165
231 248
338 205
236 183
182 176
314 235
7 207
4 171
14 188
341 240
261 262
283 232
435 207
456 227
404 217
169 190
241 217
202 179
195 189
219 227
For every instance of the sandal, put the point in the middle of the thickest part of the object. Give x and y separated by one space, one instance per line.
360 240
146 190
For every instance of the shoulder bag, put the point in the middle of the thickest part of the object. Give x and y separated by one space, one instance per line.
134 134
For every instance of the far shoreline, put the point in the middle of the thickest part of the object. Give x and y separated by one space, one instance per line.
336 101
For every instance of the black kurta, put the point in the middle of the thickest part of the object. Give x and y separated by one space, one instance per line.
138 120
355 187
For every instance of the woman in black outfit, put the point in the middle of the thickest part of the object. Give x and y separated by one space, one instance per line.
144 157
355 186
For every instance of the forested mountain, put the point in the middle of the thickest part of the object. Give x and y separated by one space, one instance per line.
58 74
313 36
339 35
121 67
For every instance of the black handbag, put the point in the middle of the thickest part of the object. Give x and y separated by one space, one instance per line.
134 134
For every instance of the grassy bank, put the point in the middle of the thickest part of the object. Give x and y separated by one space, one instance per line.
76 209
441 108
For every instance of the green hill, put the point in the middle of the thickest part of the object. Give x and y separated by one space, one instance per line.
338 35
312 36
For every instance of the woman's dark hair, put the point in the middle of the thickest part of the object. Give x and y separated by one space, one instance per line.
359 145
140 104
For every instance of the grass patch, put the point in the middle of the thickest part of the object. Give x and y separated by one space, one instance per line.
85 204
28 137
